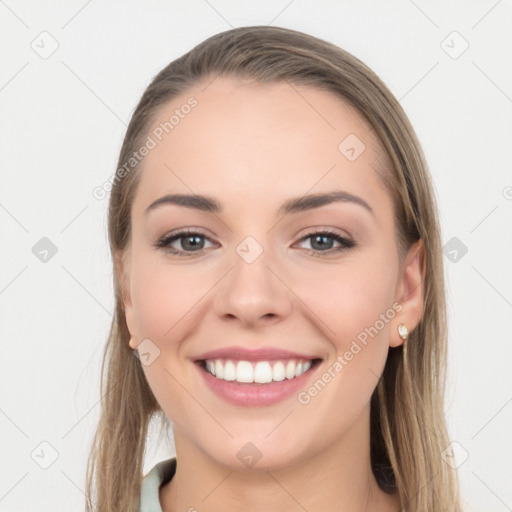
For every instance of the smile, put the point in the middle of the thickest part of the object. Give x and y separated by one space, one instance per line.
257 383
260 372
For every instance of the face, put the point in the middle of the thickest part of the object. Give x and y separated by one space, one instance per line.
318 282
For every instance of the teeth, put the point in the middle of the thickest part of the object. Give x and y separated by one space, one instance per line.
260 372
210 367
290 370
219 369
244 371
278 371
229 371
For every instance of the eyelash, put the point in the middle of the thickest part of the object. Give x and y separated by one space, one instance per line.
166 240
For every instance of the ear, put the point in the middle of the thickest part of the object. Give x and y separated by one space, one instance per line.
410 291
122 262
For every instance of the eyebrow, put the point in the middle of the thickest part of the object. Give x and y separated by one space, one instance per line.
293 205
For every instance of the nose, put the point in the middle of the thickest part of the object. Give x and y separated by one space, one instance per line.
253 294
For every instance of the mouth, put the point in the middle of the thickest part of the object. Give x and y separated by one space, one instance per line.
249 377
257 372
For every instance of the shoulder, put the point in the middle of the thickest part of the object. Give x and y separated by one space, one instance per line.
159 475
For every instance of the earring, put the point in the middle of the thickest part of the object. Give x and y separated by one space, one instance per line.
403 331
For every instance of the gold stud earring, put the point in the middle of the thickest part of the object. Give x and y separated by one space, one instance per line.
403 331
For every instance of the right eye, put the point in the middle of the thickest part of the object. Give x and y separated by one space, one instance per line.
189 241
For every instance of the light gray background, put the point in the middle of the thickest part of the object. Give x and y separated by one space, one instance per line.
62 122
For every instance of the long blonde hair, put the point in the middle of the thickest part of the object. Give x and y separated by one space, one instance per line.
408 428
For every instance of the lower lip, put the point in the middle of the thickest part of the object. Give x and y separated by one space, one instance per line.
253 394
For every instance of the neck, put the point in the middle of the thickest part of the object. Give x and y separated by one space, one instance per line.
338 478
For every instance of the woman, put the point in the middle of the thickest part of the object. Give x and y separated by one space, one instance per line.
279 278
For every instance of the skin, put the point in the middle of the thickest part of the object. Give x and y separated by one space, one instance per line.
253 146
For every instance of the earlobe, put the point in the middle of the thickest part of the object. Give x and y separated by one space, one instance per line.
410 293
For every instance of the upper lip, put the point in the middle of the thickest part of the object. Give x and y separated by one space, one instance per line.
246 354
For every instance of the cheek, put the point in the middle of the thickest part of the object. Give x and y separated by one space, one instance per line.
163 297
354 308
349 298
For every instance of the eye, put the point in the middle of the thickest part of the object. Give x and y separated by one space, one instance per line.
190 241
321 241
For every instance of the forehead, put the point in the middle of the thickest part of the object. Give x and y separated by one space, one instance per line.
259 141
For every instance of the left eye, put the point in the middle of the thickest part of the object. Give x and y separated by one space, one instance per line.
321 241
190 242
